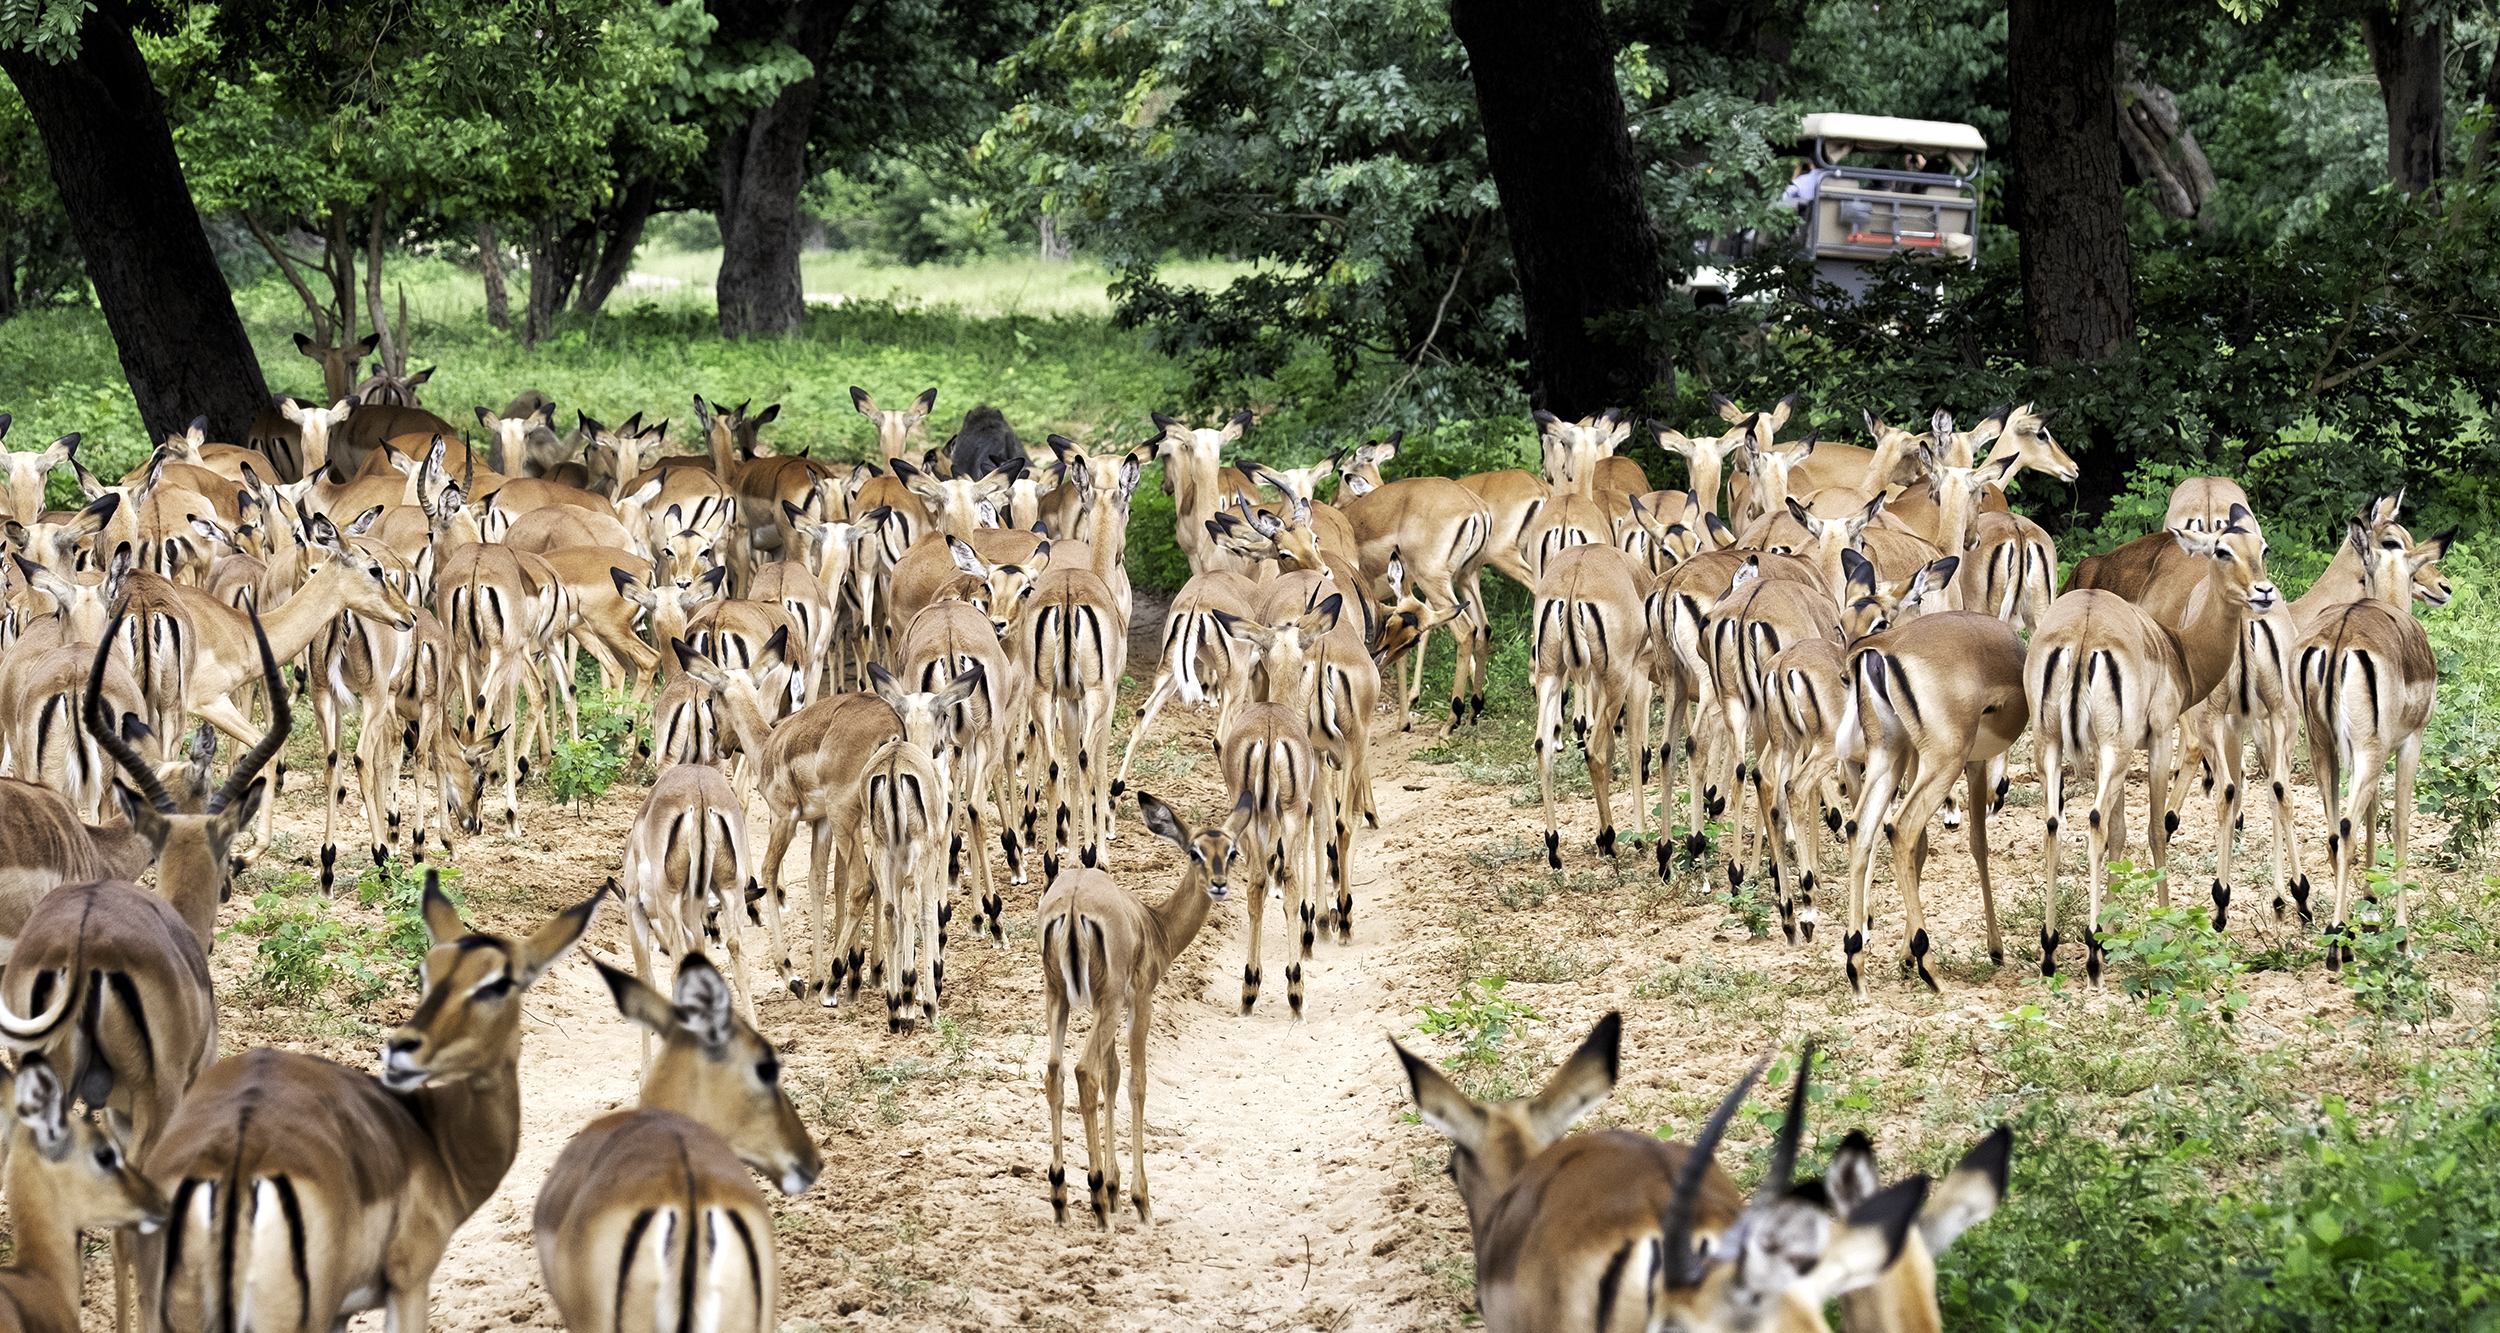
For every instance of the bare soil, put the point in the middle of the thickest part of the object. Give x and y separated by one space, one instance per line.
1291 1188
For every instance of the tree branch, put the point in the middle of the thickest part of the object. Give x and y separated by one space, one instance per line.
286 265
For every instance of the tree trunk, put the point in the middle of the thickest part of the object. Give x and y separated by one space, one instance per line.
2163 150
1055 247
112 155
624 233
394 347
338 259
2069 209
763 164
2405 49
1580 237
490 268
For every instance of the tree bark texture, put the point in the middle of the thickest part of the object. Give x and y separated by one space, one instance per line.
2406 43
490 269
763 164
622 228
2163 149
112 155
556 250
2068 208
1580 237
394 347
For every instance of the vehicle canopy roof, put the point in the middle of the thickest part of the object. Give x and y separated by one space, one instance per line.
1836 134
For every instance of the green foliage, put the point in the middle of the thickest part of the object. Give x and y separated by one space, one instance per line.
1481 1019
2384 1219
2460 776
2386 976
398 885
304 951
2171 958
583 770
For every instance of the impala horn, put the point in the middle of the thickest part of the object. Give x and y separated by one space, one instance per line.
281 722
1684 1267
138 770
26 1034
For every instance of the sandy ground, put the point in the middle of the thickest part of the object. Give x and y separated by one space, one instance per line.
1291 1190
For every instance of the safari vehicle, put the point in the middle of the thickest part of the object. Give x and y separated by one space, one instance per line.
1877 186
1872 187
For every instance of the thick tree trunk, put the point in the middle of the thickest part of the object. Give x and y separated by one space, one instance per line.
1055 247
1580 238
2068 208
2405 49
2163 150
338 259
623 229
490 268
394 346
763 164
103 126
555 265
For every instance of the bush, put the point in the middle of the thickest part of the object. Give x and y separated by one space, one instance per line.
583 770
304 951
399 886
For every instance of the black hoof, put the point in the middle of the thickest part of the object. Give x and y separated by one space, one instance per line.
1119 788
2222 904
2300 898
1553 850
2049 941
1606 843
1918 958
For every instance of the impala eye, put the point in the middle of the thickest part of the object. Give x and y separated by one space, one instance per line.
494 989
768 1069
105 1157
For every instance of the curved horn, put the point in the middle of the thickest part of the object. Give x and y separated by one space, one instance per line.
1783 1169
281 721
1682 1269
27 1033
110 737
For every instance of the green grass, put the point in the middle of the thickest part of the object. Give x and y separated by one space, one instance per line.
987 289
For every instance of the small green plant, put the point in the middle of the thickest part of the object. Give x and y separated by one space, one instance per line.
583 770
1749 906
2171 958
304 951
2385 974
1481 1018
399 886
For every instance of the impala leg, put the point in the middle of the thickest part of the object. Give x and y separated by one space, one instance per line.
1740 728
2165 820
1257 916
377 770
1975 789
1636 694
1140 1022
1055 1090
933 903
2108 808
1599 748
1548 739
1163 689
2049 755
2226 741
1874 794
1293 855
1784 881
638 918
333 792
775 903
1909 857
825 967
2287 867
2408 763
1671 740
1102 1051
1003 788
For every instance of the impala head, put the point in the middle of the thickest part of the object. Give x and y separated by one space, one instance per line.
960 506
1960 448
895 426
468 1022
192 850
613 458
1213 851
1768 466
1104 484
928 716
1004 588
29 472
67 1169
1906 1294
529 437
734 429
1195 450
680 556
2392 565
384 389
55 546
1705 459
2238 554
1287 649
2027 438
1571 449
1490 1142
1873 606
338 363
471 752
716 1069
83 606
1959 491
1770 421
1358 470
1289 531
313 425
1406 618
1788 1252
1826 538
366 585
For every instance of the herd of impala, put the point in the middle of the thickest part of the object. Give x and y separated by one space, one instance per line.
914 657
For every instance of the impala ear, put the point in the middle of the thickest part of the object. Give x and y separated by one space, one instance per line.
961 688
1851 1179
43 1107
442 920
1867 1243
861 402
1721 535
1799 513
1970 1195
635 1000
702 1006
1583 1081
1161 822
1441 1104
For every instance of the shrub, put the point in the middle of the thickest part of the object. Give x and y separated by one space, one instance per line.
399 886
304 951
